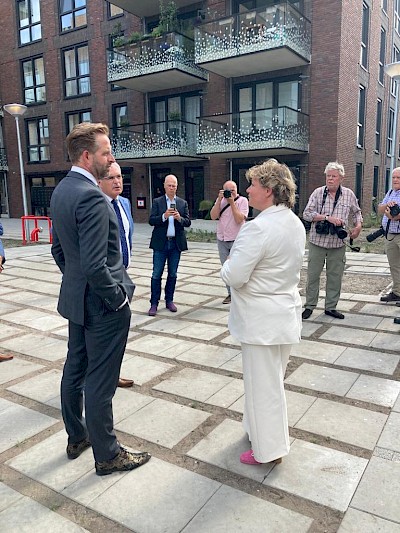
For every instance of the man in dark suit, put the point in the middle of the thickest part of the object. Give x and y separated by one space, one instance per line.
112 186
169 216
94 297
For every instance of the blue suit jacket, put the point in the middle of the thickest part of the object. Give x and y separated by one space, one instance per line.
126 206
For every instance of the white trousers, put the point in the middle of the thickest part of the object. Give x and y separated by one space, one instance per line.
265 412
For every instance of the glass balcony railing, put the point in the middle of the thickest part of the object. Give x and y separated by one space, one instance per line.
3 159
153 55
279 25
260 129
155 139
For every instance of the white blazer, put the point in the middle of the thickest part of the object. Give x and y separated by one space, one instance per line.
263 272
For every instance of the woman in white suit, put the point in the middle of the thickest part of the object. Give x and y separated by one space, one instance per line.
265 316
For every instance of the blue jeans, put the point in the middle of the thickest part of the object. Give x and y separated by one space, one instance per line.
171 254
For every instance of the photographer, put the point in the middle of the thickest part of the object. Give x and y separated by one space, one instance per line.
388 208
329 209
230 210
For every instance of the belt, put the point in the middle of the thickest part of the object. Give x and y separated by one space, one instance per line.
171 238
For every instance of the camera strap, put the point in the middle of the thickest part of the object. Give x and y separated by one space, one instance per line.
337 195
226 207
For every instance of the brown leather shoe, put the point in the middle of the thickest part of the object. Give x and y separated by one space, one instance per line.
124 383
6 357
124 461
75 450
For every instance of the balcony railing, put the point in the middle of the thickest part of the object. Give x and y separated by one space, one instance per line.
155 55
3 159
163 139
272 27
248 131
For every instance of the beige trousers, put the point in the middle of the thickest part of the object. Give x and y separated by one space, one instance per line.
392 247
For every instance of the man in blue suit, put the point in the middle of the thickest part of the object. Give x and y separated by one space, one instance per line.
112 186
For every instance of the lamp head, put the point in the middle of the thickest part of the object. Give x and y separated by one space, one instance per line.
16 110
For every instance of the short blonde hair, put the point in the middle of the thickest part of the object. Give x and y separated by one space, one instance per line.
83 137
334 165
278 177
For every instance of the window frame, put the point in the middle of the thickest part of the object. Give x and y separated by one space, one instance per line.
109 13
365 36
34 85
382 54
77 77
362 92
39 145
31 24
390 140
76 112
72 12
378 125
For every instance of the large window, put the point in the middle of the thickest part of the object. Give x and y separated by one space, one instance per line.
34 82
30 28
38 140
359 181
361 117
365 36
114 11
382 53
72 14
389 146
375 186
395 59
72 119
120 115
76 71
378 126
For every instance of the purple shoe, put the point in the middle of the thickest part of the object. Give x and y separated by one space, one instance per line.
171 306
152 310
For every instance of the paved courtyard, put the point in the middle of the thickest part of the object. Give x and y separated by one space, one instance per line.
343 385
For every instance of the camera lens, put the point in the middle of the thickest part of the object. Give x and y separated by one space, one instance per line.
227 194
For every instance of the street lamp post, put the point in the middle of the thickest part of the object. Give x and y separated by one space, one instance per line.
17 110
393 70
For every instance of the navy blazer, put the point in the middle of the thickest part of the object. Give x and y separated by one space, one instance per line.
86 248
159 235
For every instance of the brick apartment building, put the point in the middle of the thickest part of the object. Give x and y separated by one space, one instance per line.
203 90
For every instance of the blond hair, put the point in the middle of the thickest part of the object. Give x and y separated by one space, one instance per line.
83 137
278 177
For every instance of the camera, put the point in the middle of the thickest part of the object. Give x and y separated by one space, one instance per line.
227 194
378 233
394 210
322 227
339 231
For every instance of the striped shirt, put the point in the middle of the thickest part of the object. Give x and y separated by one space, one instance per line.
346 206
391 196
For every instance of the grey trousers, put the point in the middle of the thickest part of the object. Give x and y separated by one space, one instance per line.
224 249
335 259
392 247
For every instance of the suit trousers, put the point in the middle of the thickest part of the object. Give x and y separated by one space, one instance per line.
224 248
335 262
171 254
392 247
94 358
265 412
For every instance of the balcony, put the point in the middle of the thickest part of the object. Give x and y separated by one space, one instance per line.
156 142
3 159
146 8
265 39
262 132
155 64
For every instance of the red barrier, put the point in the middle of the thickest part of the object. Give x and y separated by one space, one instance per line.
34 235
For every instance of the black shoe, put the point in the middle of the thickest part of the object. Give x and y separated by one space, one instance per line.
391 297
124 461
306 314
334 313
75 450
396 320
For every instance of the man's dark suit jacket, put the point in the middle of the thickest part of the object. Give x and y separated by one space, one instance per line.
159 235
86 248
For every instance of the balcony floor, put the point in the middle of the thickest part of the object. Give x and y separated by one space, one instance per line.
159 81
267 152
146 8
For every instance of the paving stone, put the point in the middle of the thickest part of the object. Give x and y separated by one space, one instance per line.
7 331
309 328
386 341
322 379
6 307
368 360
319 474
360 427
127 402
39 346
376 390
380 309
142 370
297 405
6 290
215 290
349 336
163 422
360 321
234 364
35 319
173 484
390 437
210 315
16 368
396 406
318 351
387 324
204 332
42 388
228 395
28 516
181 384
160 345
230 340
379 489
21 423
47 302
355 521
165 325
207 355
8 497
237 517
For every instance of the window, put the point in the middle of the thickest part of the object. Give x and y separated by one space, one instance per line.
375 184
389 149
395 59
76 71
34 82
397 15
120 116
30 28
385 5
38 140
72 119
382 53
365 36
72 14
361 117
359 181
114 11
378 125
387 179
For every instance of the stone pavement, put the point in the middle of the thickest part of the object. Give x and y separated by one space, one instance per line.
343 471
